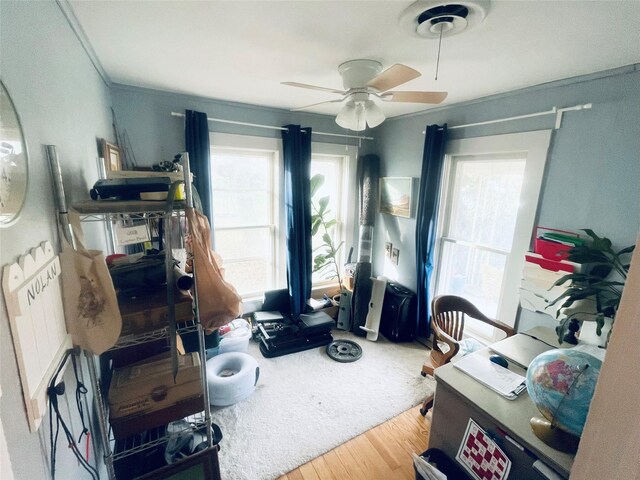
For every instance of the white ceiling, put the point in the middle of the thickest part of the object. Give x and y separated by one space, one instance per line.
241 50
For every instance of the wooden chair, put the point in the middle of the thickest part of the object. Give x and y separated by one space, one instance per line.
448 313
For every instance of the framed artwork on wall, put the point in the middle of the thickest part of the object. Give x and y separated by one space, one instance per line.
396 196
395 254
112 156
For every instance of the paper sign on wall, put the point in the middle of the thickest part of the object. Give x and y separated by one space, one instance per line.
33 296
130 235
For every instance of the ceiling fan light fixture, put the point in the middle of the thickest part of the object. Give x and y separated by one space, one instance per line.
364 80
374 114
346 117
361 118
357 115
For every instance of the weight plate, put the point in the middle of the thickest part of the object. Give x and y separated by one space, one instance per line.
344 351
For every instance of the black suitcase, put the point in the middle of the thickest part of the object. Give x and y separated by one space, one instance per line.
398 320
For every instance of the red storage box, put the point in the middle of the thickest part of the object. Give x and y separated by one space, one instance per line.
552 250
551 265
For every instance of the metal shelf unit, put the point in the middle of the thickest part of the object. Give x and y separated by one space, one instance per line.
137 339
151 438
110 212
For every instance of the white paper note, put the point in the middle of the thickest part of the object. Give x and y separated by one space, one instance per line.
502 380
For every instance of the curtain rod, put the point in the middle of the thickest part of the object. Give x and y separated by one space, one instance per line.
271 127
554 111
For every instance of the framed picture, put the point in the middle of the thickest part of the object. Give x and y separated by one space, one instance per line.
395 254
112 156
387 249
396 196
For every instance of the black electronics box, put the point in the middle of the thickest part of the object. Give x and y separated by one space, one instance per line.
128 188
398 320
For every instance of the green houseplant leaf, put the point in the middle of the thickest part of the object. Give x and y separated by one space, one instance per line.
325 261
603 281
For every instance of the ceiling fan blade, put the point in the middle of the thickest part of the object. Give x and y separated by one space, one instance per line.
414 97
314 87
315 104
392 77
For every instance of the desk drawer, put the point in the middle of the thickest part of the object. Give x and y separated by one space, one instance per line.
451 413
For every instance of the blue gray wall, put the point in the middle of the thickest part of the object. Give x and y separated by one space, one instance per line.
144 115
155 135
61 100
592 173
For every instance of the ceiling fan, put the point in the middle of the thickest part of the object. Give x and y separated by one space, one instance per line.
364 79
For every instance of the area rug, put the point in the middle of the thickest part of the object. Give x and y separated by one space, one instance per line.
305 404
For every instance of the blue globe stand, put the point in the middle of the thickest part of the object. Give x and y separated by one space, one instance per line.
554 436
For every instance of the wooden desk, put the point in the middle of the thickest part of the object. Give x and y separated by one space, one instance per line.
460 397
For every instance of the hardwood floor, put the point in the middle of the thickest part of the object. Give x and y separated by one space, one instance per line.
384 452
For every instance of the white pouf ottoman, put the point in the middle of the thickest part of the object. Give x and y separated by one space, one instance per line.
231 377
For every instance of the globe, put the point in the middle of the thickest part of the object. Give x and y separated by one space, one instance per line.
561 383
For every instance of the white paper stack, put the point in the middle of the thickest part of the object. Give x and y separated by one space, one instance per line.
499 379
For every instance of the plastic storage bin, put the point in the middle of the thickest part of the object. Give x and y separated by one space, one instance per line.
446 465
235 341
232 337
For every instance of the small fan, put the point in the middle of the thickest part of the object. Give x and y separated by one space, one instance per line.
363 79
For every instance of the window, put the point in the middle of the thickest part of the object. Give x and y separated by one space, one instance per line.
248 211
245 176
488 203
332 167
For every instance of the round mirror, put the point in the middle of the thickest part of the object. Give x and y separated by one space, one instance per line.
13 161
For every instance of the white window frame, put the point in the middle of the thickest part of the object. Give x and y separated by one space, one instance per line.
227 141
534 147
344 215
347 232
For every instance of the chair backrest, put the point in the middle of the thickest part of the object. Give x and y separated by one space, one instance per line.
448 313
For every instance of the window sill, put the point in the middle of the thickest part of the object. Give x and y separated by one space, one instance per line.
330 290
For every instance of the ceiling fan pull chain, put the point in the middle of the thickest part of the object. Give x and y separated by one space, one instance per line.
438 60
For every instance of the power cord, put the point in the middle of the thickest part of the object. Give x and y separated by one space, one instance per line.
54 391
80 390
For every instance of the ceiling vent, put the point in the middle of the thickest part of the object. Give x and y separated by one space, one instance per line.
433 19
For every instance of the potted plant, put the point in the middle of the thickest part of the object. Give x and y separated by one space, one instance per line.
325 261
592 295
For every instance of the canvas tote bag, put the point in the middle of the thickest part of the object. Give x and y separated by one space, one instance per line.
90 303
218 300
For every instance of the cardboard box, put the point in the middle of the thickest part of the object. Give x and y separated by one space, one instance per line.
147 311
144 395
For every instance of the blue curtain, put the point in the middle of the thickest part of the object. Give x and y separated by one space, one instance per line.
296 148
197 144
427 219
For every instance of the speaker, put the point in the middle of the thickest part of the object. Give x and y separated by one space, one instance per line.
398 322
